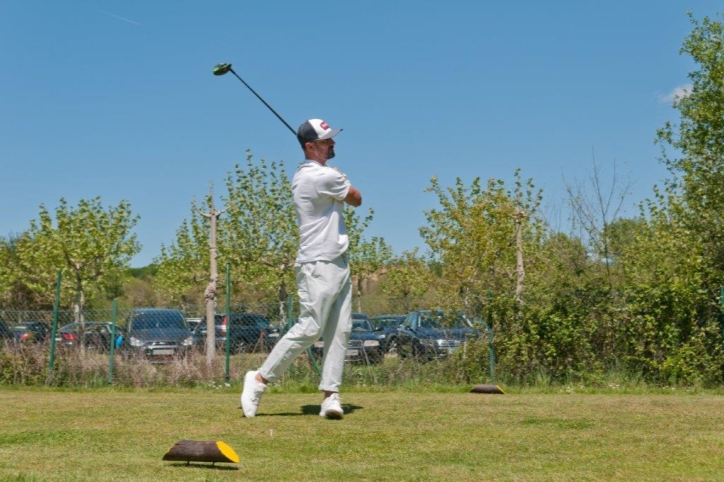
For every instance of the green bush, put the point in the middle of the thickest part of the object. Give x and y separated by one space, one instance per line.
23 365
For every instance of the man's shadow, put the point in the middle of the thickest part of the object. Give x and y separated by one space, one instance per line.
307 410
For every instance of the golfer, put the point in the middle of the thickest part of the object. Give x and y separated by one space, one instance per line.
322 271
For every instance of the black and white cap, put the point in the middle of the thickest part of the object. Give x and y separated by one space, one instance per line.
314 130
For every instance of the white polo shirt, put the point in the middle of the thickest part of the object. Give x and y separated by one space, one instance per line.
318 192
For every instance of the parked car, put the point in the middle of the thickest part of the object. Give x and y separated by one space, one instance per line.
157 332
31 332
363 346
248 332
387 326
96 335
193 323
433 334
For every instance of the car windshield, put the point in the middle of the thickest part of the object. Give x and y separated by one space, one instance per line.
249 319
440 320
98 328
71 328
262 323
361 325
152 321
75 327
387 322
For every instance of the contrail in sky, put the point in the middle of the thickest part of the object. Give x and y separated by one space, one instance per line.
118 17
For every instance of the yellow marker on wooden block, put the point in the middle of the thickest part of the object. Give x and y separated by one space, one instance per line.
491 389
201 451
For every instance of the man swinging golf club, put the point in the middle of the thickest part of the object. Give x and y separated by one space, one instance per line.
323 280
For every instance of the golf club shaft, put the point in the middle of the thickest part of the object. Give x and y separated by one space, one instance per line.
263 101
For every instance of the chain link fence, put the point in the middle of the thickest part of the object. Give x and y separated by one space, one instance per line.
148 347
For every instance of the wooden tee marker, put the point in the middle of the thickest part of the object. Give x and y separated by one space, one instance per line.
492 389
199 451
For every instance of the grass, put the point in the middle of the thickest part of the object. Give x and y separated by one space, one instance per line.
105 434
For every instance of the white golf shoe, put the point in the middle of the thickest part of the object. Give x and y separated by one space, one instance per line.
331 407
251 394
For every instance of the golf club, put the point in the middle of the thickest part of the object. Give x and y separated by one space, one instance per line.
221 69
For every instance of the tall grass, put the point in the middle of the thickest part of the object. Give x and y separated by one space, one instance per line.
28 365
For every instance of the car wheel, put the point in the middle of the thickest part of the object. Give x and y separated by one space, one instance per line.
392 346
401 352
369 358
240 346
418 351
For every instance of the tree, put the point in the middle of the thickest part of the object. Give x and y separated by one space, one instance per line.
675 264
183 266
210 292
473 237
366 257
139 292
595 208
258 236
93 245
14 292
139 288
407 279
693 150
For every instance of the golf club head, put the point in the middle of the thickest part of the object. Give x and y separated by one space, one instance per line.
221 69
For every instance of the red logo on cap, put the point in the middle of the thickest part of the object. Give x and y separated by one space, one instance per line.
324 125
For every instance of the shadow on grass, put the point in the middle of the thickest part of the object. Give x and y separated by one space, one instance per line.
204 465
308 410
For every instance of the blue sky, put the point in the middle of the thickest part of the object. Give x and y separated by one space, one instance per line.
116 98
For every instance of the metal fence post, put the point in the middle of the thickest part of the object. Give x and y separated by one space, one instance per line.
313 361
491 345
721 309
228 320
111 359
290 313
491 353
54 330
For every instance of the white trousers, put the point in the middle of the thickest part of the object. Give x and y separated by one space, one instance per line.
325 300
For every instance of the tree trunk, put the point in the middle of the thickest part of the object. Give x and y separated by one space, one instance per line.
210 291
520 269
283 315
210 294
359 294
78 313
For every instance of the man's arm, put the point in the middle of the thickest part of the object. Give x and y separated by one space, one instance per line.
354 197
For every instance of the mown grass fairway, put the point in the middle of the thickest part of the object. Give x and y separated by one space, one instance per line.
48 435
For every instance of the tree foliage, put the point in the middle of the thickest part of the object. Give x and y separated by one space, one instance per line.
407 279
91 244
258 234
693 150
367 257
256 237
672 260
14 291
472 235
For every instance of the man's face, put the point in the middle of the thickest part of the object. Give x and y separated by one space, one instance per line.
324 149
